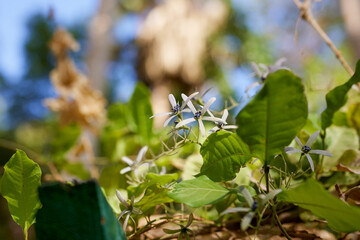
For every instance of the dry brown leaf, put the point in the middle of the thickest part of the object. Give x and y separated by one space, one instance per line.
77 101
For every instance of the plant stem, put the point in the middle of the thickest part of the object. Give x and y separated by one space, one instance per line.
319 167
282 229
266 169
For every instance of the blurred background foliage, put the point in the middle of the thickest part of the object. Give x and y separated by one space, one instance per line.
169 46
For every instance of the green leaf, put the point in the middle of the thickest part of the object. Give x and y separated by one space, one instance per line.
19 185
312 196
155 189
154 195
141 111
152 179
198 192
223 153
337 98
270 121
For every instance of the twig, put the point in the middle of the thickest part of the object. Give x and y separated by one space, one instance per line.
280 225
305 13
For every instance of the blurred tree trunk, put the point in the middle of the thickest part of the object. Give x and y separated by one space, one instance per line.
100 43
351 15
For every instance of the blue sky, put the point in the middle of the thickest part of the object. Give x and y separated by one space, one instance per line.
13 17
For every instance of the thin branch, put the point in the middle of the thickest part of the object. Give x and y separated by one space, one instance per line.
305 13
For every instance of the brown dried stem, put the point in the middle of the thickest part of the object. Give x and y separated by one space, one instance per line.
305 13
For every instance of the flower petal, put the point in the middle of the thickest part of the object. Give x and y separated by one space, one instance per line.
256 69
187 101
210 113
312 138
121 199
292 150
246 194
168 120
280 62
127 160
310 161
321 152
137 211
125 170
214 129
122 213
172 100
213 119
208 104
230 127
299 142
159 114
236 209
201 128
185 110
126 221
184 122
246 220
141 154
225 115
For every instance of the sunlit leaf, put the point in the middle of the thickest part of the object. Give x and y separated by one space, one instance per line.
270 121
19 187
223 153
337 98
312 196
198 192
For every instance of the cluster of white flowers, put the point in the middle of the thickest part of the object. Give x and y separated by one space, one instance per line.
198 114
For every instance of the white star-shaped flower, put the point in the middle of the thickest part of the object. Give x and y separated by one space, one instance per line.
306 149
262 70
222 125
129 208
199 115
134 165
176 109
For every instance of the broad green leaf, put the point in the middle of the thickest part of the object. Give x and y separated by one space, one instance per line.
141 111
198 192
270 121
312 196
19 185
337 98
223 153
